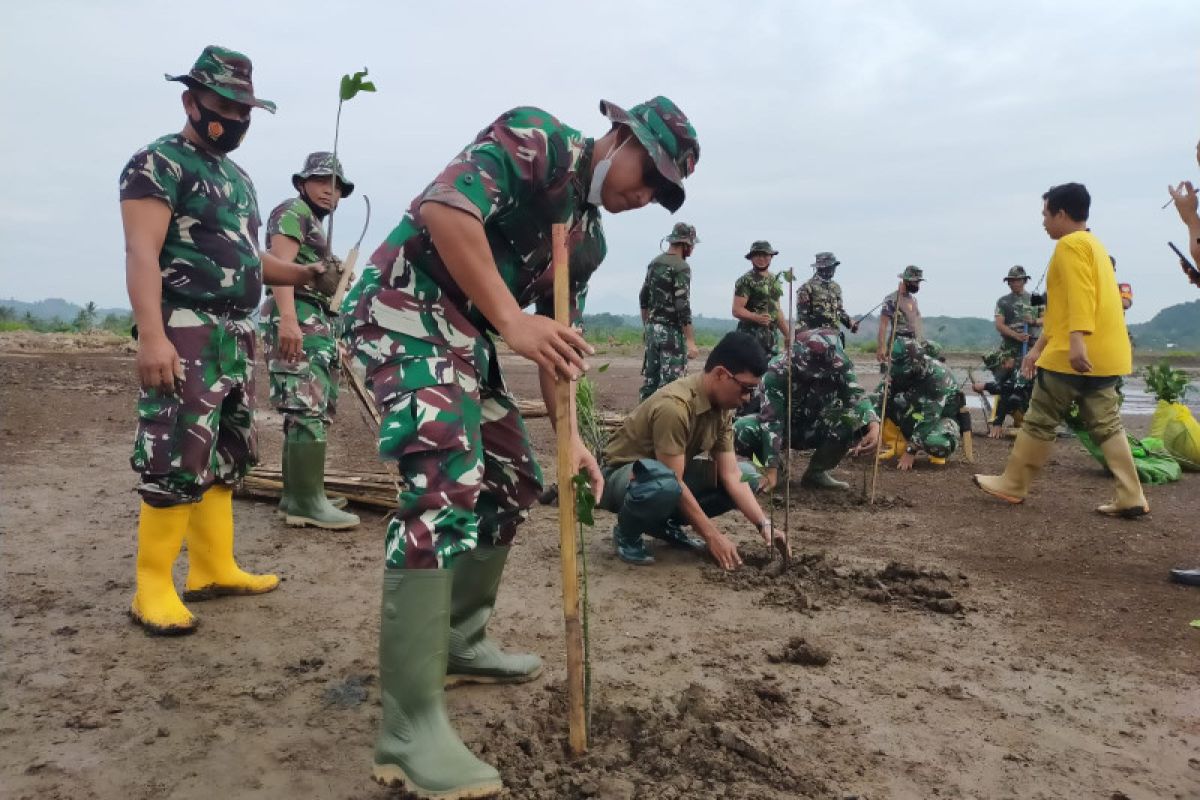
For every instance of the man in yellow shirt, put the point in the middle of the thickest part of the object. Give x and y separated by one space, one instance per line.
1082 354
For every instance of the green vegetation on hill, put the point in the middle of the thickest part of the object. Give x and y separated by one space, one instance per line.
59 316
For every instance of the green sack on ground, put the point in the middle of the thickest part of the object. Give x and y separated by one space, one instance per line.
1155 465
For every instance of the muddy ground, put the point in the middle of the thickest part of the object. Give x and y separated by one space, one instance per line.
936 645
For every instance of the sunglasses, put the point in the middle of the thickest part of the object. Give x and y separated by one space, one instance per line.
747 388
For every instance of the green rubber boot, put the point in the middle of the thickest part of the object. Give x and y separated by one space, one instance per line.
305 486
285 498
475 658
818 476
417 748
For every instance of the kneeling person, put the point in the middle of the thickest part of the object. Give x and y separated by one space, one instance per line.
829 410
655 479
923 402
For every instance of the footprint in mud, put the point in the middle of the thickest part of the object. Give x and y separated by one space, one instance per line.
348 693
798 650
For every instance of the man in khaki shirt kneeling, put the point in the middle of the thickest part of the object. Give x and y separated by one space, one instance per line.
672 462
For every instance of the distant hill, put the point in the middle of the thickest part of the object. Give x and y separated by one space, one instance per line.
1174 326
55 308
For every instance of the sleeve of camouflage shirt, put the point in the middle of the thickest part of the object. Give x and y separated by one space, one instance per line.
149 173
771 414
741 287
859 407
999 312
682 284
889 306
843 317
644 294
288 223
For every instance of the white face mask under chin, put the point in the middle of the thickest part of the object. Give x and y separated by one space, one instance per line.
599 173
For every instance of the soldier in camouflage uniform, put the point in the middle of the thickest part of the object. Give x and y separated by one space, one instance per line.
923 401
819 300
472 252
829 410
666 307
302 351
195 273
1017 321
902 308
756 299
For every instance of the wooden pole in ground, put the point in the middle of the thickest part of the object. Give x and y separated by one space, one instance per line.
787 490
564 412
887 385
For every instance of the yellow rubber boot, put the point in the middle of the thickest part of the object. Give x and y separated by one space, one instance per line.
937 461
156 606
212 572
1026 459
893 441
1129 501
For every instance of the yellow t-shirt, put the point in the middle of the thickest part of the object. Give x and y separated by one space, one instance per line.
1082 295
675 420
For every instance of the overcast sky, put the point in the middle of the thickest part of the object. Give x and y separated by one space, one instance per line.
891 133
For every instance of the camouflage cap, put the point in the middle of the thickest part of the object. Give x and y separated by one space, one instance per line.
762 246
682 232
942 440
670 139
825 259
912 273
1017 273
226 72
322 163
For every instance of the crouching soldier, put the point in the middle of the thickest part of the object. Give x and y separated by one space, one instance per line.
923 403
829 411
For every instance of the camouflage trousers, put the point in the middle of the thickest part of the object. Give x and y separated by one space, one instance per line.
763 334
754 439
929 424
665 359
304 391
469 472
202 433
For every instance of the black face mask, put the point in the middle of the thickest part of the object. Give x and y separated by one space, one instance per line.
222 133
912 288
826 273
318 211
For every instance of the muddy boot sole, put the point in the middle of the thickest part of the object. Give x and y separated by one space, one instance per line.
393 777
462 678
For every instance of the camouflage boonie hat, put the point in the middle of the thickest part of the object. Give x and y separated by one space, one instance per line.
682 232
226 72
670 139
825 260
1017 273
762 246
912 273
321 163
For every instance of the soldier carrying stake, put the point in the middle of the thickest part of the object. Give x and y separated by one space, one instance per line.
195 275
474 250
298 328
666 308
756 299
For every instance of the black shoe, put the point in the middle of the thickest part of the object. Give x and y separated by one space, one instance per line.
1188 577
631 549
674 535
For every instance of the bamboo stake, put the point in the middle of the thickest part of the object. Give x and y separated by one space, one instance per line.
564 413
787 489
887 385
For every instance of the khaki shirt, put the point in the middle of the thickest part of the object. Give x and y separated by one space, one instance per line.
675 420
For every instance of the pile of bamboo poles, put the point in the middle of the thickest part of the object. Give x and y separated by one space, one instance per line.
376 490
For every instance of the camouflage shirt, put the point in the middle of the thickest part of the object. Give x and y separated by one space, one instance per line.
209 258
824 386
1016 310
666 290
819 305
295 219
523 173
762 293
908 315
